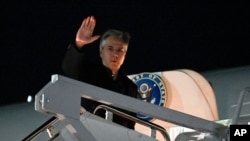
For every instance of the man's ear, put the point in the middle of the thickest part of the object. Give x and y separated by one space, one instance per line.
100 48
100 51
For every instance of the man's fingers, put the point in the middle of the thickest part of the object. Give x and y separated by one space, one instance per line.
95 38
83 23
93 22
88 23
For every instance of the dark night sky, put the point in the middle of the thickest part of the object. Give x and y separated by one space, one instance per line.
165 36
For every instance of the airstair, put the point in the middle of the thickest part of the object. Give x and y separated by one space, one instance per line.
61 98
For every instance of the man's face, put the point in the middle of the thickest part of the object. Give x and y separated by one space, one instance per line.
113 52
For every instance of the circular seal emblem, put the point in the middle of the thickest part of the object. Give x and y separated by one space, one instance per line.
151 89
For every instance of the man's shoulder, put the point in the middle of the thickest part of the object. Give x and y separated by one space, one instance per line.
130 82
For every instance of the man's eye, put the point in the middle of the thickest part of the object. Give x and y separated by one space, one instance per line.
121 50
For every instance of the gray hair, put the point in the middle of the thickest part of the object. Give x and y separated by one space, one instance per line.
117 34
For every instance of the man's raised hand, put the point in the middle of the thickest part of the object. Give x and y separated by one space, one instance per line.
85 32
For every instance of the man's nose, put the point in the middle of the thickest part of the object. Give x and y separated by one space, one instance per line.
115 53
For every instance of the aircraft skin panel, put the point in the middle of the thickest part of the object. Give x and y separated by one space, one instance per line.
227 85
217 95
192 97
187 91
206 89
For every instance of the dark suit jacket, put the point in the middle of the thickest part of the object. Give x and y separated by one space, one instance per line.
76 66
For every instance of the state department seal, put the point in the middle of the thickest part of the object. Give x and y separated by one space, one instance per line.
151 89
